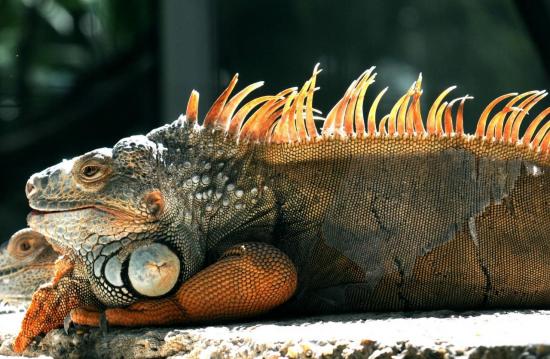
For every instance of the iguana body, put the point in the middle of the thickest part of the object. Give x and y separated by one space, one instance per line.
26 262
394 214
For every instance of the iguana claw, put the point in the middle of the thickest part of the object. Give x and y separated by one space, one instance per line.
67 323
103 324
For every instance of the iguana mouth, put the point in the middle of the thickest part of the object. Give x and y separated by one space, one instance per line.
112 211
51 211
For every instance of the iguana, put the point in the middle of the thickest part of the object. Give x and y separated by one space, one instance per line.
254 211
27 261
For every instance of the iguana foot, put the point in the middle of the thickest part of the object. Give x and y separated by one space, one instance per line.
47 311
247 280
50 305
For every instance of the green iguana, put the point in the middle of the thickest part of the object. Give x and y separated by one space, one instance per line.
26 262
253 211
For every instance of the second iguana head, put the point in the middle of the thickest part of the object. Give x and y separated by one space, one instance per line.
26 262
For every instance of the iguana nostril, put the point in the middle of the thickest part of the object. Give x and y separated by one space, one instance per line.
29 189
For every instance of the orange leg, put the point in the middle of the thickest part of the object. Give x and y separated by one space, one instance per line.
247 280
63 268
50 305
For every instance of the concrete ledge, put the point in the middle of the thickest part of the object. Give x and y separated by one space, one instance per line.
441 334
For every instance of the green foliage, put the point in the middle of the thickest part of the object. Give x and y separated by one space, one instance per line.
46 44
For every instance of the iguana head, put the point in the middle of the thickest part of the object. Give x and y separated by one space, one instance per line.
26 262
101 196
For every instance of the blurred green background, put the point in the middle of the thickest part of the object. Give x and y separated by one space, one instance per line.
80 74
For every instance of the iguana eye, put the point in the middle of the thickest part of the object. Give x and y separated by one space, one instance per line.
91 172
24 246
26 243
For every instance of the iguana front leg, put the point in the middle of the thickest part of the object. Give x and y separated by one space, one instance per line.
247 280
51 303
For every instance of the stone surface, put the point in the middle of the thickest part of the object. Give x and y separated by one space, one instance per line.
441 334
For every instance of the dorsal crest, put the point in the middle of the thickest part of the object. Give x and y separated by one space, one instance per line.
289 116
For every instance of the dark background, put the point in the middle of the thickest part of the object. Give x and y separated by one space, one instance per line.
80 74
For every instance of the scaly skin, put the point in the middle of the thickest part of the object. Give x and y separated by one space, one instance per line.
394 214
54 301
26 262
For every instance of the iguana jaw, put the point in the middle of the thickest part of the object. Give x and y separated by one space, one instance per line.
87 220
70 230
68 224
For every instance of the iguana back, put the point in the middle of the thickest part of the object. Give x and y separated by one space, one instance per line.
415 224
405 213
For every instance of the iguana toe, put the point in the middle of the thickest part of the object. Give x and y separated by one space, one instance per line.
103 324
67 323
